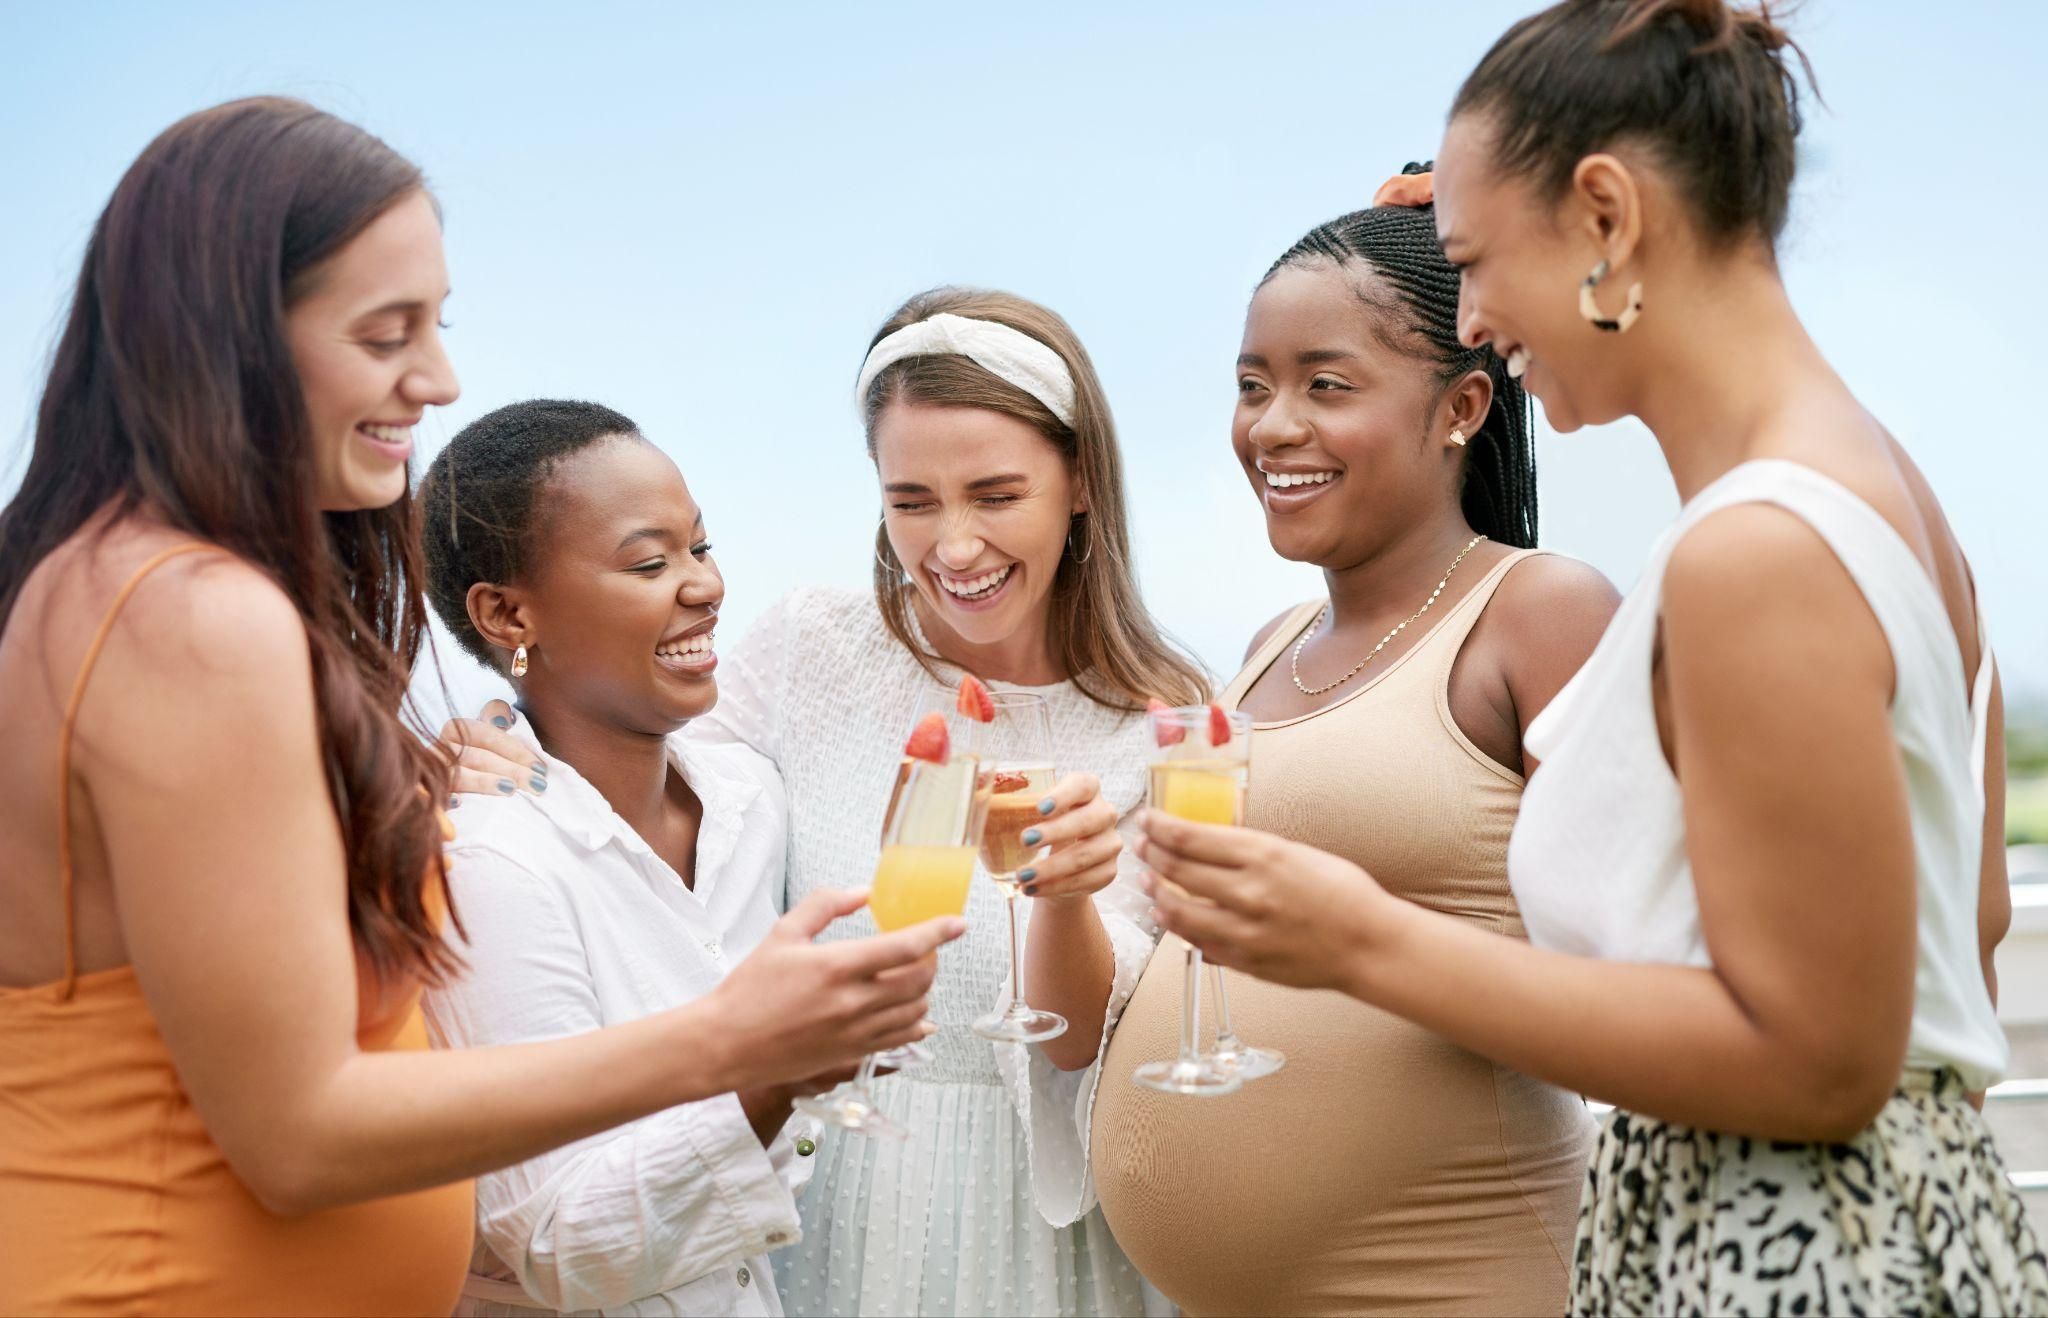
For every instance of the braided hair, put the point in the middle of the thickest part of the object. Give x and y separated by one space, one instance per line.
477 503
1399 244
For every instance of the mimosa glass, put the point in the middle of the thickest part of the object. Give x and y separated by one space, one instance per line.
1016 773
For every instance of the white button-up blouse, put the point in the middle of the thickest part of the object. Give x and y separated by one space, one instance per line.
574 923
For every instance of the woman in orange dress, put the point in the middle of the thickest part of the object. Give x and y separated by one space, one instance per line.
215 1095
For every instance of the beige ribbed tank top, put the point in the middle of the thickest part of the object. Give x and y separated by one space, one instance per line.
1383 1169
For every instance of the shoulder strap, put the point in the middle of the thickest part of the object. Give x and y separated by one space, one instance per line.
71 707
1295 621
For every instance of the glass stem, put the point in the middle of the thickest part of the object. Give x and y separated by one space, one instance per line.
1226 1038
1191 1009
866 1075
1017 1007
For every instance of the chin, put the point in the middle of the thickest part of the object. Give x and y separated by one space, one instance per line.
361 492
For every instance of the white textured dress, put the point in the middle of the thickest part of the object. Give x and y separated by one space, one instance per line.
944 1222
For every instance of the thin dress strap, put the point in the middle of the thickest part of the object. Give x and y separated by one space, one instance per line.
71 707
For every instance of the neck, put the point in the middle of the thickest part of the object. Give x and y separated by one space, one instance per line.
1397 576
1714 382
1023 658
629 769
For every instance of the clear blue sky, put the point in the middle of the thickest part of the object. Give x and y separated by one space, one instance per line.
699 216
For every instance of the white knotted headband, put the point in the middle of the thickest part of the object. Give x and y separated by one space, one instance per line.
1008 354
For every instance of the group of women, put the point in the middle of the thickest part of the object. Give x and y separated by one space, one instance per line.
1751 900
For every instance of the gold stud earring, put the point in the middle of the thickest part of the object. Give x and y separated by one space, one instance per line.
519 662
1457 436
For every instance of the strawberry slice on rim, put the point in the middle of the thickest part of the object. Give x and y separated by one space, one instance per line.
1219 726
1002 784
975 701
1166 729
929 740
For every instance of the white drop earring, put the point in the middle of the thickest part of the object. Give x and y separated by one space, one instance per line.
519 662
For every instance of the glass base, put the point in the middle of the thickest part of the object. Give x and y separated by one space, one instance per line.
1247 1062
907 1058
849 1109
1021 1025
1200 1076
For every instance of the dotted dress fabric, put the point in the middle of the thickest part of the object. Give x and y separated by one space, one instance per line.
945 1222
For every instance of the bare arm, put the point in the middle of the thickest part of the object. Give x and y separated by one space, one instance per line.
1994 883
229 877
1798 833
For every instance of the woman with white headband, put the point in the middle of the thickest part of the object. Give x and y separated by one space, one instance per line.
1002 551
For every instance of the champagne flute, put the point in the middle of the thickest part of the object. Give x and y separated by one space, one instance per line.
1249 1061
1199 774
927 861
1016 774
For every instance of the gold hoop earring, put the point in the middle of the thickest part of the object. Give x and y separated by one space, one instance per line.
1591 309
1457 436
882 538
519 662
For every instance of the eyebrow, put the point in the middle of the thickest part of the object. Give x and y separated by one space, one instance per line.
661 534
983 483
403 306
1312 357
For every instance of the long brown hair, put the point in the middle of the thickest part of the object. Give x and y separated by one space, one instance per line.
1106 639
173 394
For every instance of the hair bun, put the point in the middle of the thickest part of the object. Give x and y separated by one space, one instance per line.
1717 23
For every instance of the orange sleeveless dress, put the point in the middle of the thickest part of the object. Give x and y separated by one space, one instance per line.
113 1197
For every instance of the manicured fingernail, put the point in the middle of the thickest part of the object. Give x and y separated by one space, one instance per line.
541 768
505 786
499 720
1030 890
1031 836
540 784
1047 806
1026 875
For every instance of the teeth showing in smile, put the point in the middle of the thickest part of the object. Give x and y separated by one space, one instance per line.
387 434
1280 480
1518 362
696 647
977 587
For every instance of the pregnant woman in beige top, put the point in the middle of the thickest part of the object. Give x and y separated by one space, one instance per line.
1383 1169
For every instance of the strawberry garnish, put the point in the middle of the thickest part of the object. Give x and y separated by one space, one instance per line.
1166 729
1003 783
929 740
975 701
1219 726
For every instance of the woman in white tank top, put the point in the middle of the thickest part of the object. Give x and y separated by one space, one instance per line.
1759 867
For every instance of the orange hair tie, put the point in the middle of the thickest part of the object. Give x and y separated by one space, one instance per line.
1406 190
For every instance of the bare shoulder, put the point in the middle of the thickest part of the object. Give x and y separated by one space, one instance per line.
1757 572
1552 605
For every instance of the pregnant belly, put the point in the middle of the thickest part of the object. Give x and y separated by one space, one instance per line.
1382 1168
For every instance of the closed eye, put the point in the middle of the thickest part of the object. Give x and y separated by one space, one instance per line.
701 549
1327 382
650 567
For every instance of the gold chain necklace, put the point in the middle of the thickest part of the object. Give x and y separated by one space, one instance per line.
1294 664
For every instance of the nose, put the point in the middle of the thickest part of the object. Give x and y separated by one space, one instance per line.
1280 424
960 542
432 382
702 586
1472 331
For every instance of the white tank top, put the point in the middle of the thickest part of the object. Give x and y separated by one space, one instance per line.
1598 859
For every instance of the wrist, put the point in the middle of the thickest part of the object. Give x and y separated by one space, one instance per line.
705 1051
1384 926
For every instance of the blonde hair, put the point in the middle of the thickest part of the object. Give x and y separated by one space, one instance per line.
1115 652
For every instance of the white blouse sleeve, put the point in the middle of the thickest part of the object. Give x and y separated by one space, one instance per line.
1057 1107
628 1213
753 685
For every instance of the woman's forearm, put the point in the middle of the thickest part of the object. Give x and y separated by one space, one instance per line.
386 1123
1069 968
1666 1041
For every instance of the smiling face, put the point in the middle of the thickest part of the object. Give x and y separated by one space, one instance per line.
1334 428
1522 263
621 593
977 504
367 344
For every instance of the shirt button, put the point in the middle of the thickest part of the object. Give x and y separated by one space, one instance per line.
713 948
805 1147
745 1276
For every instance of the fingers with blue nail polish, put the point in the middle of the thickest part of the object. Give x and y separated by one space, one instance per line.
1026 875
1031 837
1047 806
505 786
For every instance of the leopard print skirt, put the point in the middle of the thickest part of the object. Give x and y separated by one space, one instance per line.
1913 1216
